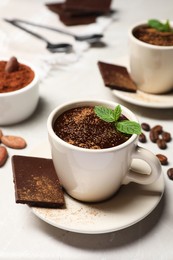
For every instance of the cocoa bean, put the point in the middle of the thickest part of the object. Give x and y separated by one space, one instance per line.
157 128
142 138
12 65
170 173
154 136
14 142
145 126
3 155
1 134
162 158
166 136
161 144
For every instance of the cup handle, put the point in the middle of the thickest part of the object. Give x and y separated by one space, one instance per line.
154 165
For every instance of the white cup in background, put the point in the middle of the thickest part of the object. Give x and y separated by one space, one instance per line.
151 66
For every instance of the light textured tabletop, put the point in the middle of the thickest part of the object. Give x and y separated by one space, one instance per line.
22 234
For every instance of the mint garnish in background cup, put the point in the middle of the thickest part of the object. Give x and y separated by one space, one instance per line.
160 26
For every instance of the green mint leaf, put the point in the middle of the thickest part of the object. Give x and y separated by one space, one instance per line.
155 24
110 116
163 27
104 113
128 127
117 112
167 27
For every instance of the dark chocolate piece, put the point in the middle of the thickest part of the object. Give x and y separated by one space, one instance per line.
88 5
116 77
59 8
55 7
36 182
77 13
77 20
74 17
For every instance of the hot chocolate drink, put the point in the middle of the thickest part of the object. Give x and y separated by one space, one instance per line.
83 128
152 36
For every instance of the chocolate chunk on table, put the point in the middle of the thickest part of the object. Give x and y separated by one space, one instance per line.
73 17
60 8
36 182
88 5
77 13
77 20
116 77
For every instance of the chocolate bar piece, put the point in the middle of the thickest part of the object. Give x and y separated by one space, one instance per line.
77 20
116 77
74 17
77 12
55 7
36 182
59 8
88 5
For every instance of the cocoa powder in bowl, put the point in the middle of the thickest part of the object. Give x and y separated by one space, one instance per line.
81 127
14 75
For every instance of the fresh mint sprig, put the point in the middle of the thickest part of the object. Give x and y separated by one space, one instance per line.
112 116
162 27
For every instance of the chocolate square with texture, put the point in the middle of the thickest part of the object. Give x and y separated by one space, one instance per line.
116 77
36 182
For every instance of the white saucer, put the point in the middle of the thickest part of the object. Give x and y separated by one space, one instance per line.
132 203
140 98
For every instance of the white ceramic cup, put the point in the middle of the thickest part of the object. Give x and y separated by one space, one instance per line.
95 175
151 66
16 106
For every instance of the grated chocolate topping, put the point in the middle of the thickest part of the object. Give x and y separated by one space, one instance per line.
152 36
83 128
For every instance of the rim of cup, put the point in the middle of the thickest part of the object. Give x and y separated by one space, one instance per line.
78 103
145 44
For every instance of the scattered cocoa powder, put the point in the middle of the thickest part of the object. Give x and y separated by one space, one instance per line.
82 127
14 75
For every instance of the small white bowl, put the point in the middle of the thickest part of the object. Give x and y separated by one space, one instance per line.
18 105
